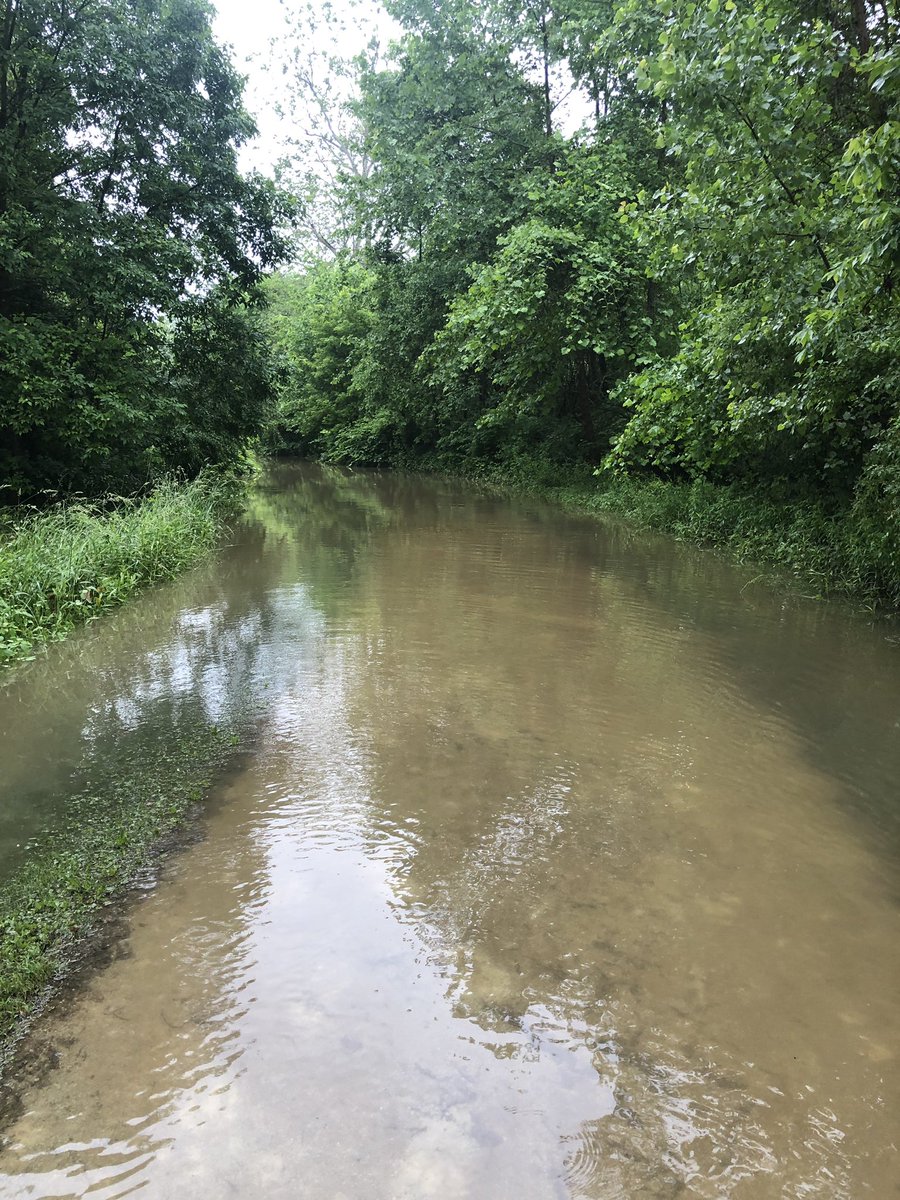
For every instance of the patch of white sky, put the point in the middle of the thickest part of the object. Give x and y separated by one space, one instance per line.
259 34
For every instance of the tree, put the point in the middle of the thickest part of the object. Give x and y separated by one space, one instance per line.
120 205
705 273
787 370
451 126
326 162
558 315
318 324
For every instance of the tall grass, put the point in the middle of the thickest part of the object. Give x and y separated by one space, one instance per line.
65 566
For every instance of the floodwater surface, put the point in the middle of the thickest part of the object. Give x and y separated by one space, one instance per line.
565 866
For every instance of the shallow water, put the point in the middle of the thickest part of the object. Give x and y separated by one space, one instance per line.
565 866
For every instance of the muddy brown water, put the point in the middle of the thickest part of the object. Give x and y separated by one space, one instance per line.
565 866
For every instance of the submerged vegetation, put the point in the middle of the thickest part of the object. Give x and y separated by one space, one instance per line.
64 566
118 813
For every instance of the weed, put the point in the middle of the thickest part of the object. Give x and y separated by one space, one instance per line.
64 566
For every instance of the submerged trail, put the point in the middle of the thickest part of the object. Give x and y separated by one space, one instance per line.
564 867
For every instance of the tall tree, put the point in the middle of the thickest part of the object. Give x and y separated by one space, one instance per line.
325 163
121 207
779 126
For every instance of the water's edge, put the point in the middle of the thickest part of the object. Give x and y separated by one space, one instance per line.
90 888
535 858
789 546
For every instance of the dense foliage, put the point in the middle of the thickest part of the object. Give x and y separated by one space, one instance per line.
130 246
656 240
692 278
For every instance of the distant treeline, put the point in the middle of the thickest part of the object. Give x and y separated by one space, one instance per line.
700 284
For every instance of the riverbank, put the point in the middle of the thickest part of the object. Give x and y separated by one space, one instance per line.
852 551
63 567
127 805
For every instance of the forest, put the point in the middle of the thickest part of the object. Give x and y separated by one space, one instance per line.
645 253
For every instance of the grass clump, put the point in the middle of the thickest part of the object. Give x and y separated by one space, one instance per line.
64 566
106 835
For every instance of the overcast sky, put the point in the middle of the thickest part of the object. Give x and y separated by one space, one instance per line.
250 26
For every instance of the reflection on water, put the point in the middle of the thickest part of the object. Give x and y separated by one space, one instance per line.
566 867
193 653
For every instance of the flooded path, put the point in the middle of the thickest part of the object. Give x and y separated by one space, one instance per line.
565 866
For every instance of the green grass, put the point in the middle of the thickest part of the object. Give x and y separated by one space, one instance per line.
105 836
60 568
65 566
